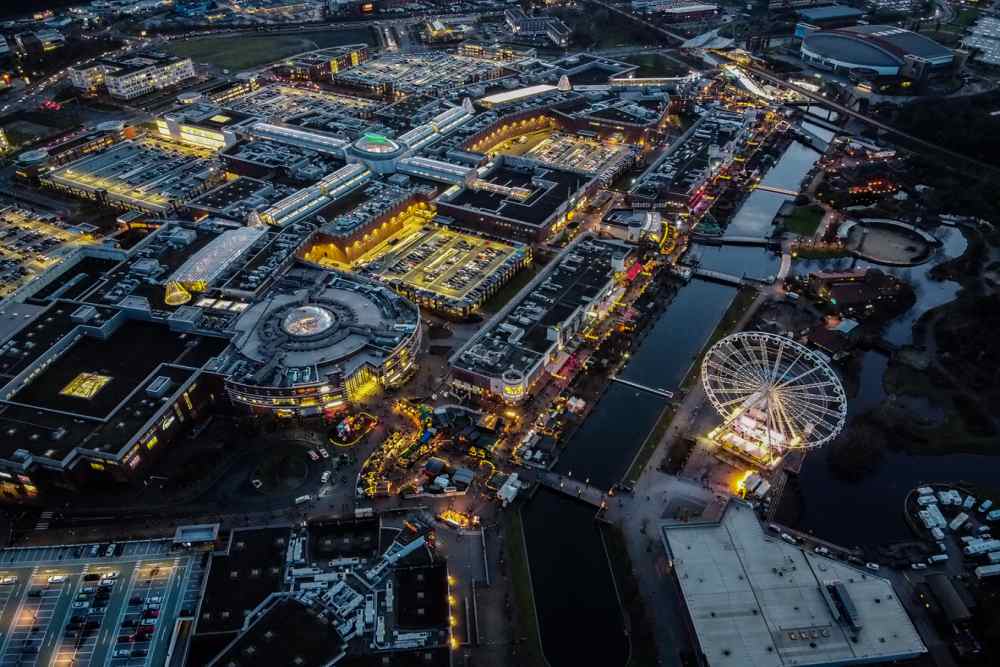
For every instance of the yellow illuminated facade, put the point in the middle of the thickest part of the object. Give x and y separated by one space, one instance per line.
85 385
176 294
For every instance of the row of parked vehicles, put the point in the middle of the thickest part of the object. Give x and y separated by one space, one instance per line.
139 629
90 603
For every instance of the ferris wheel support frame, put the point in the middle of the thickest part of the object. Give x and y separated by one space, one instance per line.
756 367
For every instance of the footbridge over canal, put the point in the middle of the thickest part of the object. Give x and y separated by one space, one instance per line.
568 485
763 241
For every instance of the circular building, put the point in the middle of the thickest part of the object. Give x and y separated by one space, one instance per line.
316 347
379 152
883 49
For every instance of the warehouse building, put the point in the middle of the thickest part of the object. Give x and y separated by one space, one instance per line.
754 599
95 393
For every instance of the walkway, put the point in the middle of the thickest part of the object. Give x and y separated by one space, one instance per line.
776 190
567 485
719 276
735 240
652 390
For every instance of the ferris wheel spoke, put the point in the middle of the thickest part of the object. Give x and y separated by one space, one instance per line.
794 394
737 374
746 366
766 365
789 431
790 366
808 388
777 360
805 373
724 404
819 401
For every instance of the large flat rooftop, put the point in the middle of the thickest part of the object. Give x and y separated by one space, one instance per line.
519 337
289 633
757 601
415 73
121 362
149 174
528 196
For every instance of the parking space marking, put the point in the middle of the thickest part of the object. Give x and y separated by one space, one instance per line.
31 633
150 584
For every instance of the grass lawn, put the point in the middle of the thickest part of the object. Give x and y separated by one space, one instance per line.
655 64
804 220
524 596
247 51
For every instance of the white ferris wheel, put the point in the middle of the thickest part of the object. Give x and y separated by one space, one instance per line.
770 388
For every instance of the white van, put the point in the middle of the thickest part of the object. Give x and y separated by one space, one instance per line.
303 499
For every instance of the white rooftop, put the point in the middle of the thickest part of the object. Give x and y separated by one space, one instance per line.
756 601
518 94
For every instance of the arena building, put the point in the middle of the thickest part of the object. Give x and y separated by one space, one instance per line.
318 341
882 49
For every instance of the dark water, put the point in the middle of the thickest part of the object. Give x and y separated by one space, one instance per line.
674 342
790 169
754 262
578 611
930 293
821 132
577 606
870 390
870 511
604 446
756 214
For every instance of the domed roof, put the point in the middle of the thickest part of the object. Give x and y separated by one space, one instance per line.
376 144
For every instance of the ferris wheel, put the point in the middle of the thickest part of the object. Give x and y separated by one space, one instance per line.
774 390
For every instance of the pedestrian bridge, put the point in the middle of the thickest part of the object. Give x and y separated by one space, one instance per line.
736 240
567 485
719 276
776 190
652 390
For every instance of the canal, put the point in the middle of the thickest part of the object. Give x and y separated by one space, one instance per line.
578 610
675 340
574 589
579 616
605 444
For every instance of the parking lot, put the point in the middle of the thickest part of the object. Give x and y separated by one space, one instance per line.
142 633
94 605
